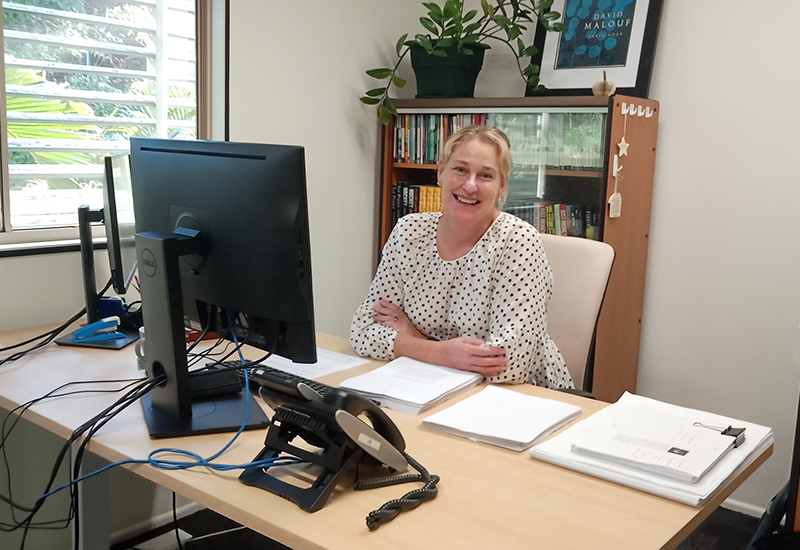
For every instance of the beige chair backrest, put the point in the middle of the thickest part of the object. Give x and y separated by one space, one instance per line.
581 268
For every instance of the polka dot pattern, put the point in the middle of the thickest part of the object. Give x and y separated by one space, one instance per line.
497 292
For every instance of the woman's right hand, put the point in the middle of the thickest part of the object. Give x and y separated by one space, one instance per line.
472 354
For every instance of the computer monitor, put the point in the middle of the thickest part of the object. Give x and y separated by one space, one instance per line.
119 222
220 226
117 217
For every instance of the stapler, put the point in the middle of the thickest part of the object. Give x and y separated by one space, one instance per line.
104 329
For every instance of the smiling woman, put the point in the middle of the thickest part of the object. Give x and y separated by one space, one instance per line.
467 288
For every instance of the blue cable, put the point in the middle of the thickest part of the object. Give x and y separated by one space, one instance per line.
197 460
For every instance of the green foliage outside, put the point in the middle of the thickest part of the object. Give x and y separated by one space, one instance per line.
17 49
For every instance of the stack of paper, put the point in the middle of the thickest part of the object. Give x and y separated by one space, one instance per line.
659 443
411 386
585 447
504 418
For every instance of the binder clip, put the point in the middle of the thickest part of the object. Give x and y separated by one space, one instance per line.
736 433
104 329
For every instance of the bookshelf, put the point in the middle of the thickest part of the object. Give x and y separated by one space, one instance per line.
563 150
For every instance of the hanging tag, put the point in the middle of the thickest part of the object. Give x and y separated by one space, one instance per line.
615 202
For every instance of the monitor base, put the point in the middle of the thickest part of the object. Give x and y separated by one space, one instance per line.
219 415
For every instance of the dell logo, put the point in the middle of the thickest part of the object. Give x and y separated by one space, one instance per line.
148 262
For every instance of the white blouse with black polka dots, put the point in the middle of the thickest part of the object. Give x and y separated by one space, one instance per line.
497 292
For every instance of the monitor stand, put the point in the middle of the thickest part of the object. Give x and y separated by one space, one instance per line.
169 408
85 218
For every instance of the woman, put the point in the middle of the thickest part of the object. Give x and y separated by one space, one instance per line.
467 288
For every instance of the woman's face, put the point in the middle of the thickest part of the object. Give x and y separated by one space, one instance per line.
471 183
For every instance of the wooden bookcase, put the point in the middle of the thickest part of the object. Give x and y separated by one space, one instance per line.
619 328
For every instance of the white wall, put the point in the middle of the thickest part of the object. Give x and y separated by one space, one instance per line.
722 303
297 71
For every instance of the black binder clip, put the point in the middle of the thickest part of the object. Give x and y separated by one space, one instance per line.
736 433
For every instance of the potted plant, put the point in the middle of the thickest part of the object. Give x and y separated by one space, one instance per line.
458 34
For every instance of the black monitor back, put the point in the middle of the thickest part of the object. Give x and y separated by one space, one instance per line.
249 203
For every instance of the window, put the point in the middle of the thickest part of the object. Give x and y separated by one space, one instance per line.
82 77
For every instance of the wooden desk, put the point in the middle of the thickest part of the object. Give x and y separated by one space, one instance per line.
488 497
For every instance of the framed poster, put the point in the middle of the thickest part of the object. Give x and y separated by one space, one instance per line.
615 36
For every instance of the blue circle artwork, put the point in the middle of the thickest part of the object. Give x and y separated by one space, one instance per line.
598 33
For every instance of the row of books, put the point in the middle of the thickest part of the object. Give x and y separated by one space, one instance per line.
408 198
556 141
573 220
420 138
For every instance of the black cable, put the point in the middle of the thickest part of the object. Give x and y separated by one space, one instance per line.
48 336
93 425
17 413
409 501
175 522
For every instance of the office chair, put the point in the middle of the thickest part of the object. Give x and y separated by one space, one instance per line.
581 268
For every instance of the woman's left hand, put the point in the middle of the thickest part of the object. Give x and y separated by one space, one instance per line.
390 315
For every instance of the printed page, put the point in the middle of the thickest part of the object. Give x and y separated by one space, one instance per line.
412 381
327 362
504 417
659 443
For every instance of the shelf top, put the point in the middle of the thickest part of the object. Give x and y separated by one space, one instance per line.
502 102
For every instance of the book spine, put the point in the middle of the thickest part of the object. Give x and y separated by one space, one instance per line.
562 217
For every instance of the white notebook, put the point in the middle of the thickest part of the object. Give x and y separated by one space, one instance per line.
504 417
411 386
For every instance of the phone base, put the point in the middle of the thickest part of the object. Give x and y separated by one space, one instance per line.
338 456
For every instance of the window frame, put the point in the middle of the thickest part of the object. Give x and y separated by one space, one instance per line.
22 242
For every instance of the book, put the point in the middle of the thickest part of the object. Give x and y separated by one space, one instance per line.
411 386
504 417
559 450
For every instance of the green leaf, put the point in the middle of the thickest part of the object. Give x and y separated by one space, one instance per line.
528 71
558 27
384 115
469 15
428 24
502 20
487 9
530 51
471 39
380 74
445 42
439 53
433 8
370 100
452 8
550 16
513 32
425 42
390 106
376 92
469 29
400 43
544 5
399 82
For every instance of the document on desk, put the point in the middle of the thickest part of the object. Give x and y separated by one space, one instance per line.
659 443
411 386
559 449
503 417
328 362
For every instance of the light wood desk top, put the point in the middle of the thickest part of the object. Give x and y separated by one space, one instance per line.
488 497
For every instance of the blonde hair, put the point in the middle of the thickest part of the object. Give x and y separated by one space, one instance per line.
489 135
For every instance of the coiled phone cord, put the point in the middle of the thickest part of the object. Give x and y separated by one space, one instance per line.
409 501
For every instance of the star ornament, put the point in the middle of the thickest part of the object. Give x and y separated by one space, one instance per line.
623 147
